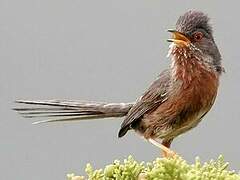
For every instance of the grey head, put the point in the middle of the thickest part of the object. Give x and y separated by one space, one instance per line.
193 29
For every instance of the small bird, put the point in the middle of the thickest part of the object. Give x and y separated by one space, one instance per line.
174 103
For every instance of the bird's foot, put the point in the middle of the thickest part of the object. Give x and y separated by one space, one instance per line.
168 154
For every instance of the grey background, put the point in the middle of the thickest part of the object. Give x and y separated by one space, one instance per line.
104 50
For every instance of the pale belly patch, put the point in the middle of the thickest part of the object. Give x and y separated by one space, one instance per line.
186 126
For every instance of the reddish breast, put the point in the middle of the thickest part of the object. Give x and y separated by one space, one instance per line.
194 88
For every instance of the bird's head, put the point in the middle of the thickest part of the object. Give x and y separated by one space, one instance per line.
193 35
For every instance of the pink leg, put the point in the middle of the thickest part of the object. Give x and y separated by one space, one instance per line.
164 146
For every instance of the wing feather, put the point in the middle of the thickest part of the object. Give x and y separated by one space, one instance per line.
151 99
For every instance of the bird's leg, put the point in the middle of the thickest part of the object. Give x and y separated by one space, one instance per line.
164 146
167 144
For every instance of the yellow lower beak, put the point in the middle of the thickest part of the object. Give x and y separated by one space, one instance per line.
179 38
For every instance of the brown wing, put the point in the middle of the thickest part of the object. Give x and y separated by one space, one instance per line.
151 99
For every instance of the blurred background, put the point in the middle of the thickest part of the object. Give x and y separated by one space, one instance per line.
106 50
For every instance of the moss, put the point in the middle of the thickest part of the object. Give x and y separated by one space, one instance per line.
160 169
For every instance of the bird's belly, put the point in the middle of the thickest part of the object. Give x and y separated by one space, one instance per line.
187 124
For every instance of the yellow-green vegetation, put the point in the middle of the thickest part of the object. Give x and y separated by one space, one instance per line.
161 169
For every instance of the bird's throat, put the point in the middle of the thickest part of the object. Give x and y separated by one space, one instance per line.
188 66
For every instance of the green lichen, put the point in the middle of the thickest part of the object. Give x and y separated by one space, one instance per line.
161 169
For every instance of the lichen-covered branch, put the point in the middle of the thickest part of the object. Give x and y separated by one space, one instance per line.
160 169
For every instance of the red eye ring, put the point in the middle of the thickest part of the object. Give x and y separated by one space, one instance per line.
198 36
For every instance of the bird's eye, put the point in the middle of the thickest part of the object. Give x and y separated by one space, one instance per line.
198 36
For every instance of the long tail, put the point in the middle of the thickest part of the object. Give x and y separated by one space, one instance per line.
58 110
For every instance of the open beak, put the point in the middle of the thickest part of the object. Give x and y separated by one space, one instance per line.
179 38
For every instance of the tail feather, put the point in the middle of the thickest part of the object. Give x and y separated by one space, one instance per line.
71 110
